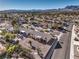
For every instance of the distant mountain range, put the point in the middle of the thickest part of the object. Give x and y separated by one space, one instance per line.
67 8
72 7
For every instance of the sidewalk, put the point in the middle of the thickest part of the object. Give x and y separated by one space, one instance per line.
72 43
74 53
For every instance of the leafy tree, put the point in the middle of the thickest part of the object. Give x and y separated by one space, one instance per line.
3 32
14 22
9 36
10 49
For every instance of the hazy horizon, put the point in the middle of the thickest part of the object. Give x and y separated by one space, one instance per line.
35 4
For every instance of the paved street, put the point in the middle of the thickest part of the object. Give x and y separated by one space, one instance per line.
64 51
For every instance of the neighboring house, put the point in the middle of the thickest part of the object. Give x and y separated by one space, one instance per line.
10 29
2 26
21 20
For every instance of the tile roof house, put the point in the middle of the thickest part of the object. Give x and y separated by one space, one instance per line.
40 36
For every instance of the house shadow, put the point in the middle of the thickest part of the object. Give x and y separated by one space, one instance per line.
58 46
50 41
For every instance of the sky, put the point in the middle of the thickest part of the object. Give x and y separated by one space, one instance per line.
35 4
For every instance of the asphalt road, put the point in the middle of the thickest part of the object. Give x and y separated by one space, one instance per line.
63 52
